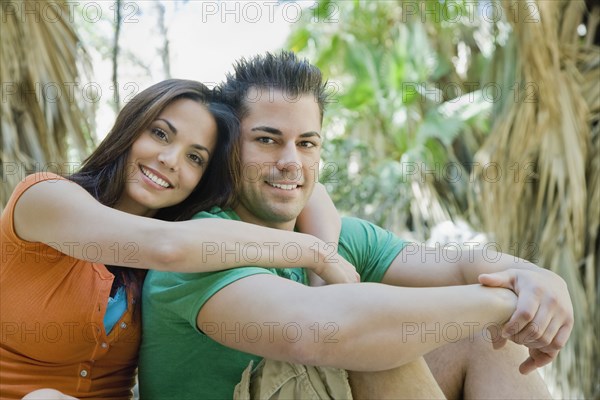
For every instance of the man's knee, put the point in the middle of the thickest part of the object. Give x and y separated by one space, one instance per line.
472 368
410 381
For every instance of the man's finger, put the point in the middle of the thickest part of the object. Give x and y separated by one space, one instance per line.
503 279
545 338
499 343
535 360
496 338
527 308
560 339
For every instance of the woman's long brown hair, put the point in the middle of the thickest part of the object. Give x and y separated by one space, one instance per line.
104 172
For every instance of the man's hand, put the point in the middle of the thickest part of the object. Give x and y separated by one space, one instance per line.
543 319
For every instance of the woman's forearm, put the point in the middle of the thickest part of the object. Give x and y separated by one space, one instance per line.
216 244
219 243
64 216
320 218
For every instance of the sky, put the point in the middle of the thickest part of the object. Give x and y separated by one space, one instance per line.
205 38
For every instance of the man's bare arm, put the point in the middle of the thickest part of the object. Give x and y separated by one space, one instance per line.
361 327
543 319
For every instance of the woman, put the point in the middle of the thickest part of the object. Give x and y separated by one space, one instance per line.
74 250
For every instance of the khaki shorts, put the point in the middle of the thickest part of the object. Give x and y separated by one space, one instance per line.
282 380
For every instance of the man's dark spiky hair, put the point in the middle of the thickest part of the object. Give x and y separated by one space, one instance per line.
283 71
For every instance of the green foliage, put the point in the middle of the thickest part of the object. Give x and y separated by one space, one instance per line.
400 108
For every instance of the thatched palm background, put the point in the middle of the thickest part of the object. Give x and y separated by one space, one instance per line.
548 209
45 119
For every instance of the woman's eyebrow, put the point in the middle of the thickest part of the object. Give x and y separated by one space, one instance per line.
174 130
170 125
201 148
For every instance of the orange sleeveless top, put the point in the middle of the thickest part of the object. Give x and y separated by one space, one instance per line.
51 319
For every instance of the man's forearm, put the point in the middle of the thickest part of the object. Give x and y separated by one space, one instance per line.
483 261
419 266
392 326
361 327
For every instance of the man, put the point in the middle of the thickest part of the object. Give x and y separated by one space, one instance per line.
201 330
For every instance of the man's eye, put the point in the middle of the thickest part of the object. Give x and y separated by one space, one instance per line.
160 134
307 144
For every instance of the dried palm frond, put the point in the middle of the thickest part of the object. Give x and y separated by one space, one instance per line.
545 207
44 115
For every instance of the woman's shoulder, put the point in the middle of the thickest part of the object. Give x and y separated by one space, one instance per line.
35 178
42 176
28 182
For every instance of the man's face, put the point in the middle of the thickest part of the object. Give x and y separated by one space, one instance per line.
281 146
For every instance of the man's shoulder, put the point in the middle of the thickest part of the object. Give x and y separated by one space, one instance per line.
350 221
370 248
365 233
352 226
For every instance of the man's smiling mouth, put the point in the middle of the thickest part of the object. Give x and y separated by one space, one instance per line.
283 186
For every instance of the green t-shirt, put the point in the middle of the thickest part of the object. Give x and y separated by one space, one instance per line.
177 361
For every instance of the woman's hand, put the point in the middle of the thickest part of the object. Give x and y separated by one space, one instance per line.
332 267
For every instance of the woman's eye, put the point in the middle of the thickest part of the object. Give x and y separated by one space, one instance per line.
197 159
159 133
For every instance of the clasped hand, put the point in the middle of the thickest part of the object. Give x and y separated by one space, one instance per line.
543 319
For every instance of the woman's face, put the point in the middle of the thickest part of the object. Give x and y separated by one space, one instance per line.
168 159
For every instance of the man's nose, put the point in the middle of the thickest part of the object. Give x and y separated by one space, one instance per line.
289 158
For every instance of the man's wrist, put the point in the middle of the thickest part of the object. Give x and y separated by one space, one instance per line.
505 304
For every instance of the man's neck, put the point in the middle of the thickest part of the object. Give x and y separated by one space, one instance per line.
253 219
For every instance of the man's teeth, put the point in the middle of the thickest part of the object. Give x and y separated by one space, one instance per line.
284 187
154 178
